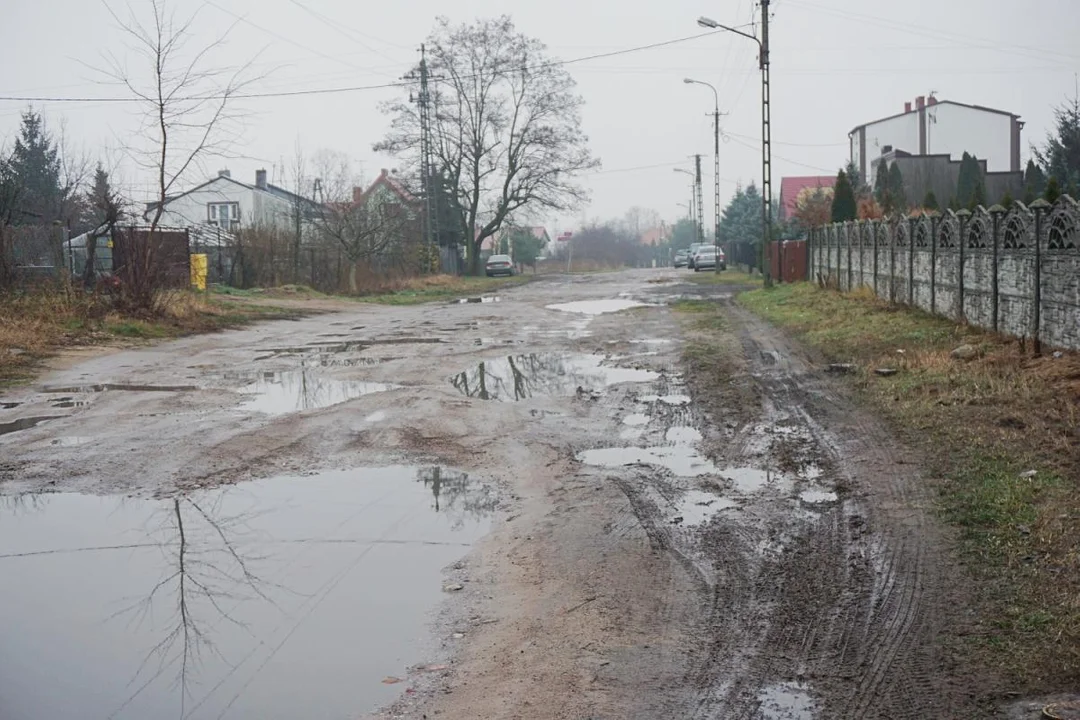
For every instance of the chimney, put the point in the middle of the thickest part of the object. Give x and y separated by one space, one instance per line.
385 172
260 179
907 107
224 173
885 150
931 100
920 102
357 194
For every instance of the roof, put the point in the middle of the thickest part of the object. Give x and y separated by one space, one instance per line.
269 189
790 187
391 183
937 103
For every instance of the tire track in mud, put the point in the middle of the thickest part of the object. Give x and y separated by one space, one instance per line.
871 649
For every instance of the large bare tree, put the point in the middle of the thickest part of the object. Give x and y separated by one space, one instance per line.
506 128
188 112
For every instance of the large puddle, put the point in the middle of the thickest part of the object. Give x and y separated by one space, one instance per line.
289 391
519 377
596 307
282 598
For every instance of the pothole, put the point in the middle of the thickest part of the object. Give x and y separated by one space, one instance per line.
680 460
519 377
289 391
205 604
25 423
597 307
117 387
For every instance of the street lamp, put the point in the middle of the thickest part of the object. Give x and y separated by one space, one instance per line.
766 128
693 215
716 163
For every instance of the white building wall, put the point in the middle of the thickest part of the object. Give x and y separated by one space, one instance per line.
901 132
986 135
255 207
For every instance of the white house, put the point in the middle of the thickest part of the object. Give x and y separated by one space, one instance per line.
229 204
940 127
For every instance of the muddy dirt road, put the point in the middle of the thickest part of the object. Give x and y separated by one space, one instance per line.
511 509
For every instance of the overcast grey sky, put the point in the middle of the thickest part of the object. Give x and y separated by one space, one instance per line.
836 64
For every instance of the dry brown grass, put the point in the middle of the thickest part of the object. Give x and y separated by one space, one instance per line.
983 425
35 324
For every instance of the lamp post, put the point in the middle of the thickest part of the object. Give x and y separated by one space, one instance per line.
693 215
716 164
766 128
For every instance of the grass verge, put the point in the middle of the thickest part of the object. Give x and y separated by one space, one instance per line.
726 277
35 325
1002 431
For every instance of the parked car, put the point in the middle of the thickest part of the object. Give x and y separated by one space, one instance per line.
705 259
693 249
499 265
682 258
716 257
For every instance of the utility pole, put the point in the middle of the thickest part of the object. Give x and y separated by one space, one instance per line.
716 185
766 145
427 164
700 202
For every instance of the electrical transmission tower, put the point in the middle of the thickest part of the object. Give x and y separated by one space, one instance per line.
429 175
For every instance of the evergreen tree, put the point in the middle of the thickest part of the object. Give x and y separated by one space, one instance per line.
930 201
856 180
1060 156
1034 180
897 194
881 186
843 205
978 194
954 204
35 167
1053 191
102 213
1007 200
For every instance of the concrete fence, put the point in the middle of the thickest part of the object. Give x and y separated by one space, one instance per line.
1013 271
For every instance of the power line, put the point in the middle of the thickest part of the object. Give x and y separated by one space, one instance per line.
343 30
780 157
357 88
791 144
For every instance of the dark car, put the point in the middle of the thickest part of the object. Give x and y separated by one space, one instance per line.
499 265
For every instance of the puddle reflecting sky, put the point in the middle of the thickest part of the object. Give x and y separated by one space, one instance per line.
596 307
282 598
277 393
519 377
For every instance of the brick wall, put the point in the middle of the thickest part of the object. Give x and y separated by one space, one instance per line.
1015 272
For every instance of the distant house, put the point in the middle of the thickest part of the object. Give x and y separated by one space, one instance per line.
656 236
228 204
939 127
791 188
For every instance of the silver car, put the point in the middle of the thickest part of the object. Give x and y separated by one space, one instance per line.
705 259
499 265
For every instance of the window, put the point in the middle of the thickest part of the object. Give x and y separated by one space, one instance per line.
224 215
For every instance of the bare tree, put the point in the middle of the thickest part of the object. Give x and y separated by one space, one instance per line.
506 129
188 114
364 226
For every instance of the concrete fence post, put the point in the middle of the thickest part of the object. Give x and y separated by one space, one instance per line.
964 215
934 220
1041 208
875 227
996 213
911 262
892 261
848 227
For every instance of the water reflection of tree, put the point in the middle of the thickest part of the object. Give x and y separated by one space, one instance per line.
522 376
458 496
23 504
206 575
